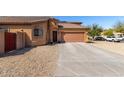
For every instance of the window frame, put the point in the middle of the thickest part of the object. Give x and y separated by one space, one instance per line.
37 32
6 29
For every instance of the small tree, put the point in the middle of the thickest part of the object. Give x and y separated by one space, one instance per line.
108 32
119 27
95 30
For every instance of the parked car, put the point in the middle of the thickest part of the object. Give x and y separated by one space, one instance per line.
114 39
99 38
123 38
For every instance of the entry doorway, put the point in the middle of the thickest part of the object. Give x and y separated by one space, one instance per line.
55 36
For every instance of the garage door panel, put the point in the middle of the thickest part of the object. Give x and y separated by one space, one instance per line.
73 36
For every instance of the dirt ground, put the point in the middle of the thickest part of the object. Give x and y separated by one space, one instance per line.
38 61
116 47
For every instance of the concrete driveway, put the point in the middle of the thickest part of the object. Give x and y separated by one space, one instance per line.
80 59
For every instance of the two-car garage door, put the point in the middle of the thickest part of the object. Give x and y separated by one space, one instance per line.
72 36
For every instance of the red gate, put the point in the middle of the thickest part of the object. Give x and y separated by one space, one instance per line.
10 41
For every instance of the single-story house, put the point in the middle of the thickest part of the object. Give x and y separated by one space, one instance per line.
118 34
41 30
115 33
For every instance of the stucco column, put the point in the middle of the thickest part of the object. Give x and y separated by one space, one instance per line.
85 36
51 36
20 40
59 36
2 42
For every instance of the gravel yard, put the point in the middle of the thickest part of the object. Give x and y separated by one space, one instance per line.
116 47
38 61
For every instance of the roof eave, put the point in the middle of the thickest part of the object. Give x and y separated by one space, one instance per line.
14 23
76 28
21 23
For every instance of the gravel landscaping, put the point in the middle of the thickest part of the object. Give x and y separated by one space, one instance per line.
68 59
38 61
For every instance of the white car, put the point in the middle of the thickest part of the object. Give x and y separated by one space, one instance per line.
114 39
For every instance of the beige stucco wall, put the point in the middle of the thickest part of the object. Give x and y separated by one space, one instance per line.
43 39
30 39
23 28
20 40
85 36
2 42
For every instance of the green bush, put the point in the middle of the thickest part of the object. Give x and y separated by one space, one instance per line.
108 32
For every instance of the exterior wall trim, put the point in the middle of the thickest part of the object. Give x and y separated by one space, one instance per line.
75 29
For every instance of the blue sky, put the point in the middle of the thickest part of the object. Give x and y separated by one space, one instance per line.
104 21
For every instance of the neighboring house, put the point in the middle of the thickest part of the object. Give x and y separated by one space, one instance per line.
41 30
117 34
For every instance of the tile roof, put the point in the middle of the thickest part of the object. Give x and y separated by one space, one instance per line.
22 19
71 25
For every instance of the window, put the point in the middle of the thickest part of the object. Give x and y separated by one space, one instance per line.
38 32
60 27
6 29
